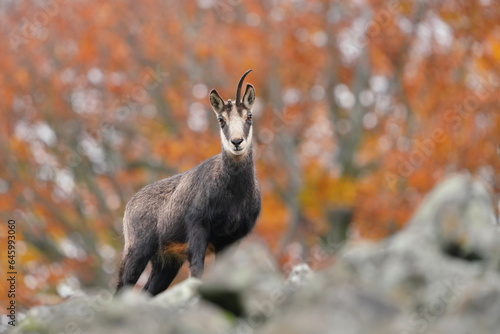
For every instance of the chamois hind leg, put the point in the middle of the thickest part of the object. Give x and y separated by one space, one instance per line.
133 263
162 274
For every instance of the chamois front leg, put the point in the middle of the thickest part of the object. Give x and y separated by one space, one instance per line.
197 246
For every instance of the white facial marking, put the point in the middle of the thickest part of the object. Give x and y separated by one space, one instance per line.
227 145
235 125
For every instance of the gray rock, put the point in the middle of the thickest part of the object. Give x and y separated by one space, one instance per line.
131 312
180 296
438 275
416 265
299 275
204 318
458 218
475 311
324 305
100 313
243 280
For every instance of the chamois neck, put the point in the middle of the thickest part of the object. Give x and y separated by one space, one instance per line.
236 164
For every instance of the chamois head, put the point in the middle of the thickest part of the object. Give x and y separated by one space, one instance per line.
235 119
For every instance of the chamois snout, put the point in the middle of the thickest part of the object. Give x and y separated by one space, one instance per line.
236 142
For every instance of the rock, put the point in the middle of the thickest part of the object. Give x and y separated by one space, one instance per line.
412 275
299 275
458 217
243 279
180 296
416 264
438 275
204 318
131 312
99 313
324 305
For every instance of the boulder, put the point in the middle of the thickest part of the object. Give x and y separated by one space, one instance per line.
476 310
299 276
180 296
243 279
332 304
440 274
131 312
458 218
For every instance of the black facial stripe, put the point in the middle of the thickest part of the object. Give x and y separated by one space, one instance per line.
225 131
248 124
246 128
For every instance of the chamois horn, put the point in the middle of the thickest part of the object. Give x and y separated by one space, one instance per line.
238 90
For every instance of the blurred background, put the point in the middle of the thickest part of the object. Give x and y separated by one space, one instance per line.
362 106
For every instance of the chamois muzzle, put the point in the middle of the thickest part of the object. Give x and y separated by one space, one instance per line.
237 142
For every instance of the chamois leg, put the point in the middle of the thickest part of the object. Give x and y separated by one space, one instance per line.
162 274
197 246
133 263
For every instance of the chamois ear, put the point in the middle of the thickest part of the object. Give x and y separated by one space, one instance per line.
216 101
249 97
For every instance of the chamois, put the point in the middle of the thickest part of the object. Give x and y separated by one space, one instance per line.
204 209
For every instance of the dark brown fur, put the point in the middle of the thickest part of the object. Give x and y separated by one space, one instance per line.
208 207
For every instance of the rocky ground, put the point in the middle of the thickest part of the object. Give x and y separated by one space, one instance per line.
441 274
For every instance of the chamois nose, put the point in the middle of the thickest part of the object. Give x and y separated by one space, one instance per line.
236 142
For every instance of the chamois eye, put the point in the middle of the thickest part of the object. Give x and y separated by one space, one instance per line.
221 122
249 117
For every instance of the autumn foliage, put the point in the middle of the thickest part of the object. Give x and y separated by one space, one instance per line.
362 106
